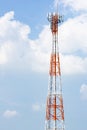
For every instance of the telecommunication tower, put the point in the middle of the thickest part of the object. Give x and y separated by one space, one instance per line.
54 106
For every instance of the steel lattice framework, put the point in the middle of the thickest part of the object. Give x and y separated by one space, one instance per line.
54 106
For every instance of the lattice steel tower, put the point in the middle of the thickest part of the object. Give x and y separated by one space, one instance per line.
54 106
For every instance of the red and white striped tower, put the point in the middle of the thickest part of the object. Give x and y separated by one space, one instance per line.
54 106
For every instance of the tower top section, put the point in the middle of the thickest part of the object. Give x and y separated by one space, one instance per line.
54 19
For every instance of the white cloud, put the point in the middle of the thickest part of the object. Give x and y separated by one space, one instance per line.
13 35
10 113
5 51
72 35
37 107
19 52
73 65
74 4
83 91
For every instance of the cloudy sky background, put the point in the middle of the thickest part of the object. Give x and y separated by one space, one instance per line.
25 46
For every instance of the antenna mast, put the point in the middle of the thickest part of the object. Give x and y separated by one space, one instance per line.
54 106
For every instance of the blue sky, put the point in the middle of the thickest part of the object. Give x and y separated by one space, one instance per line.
25 46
